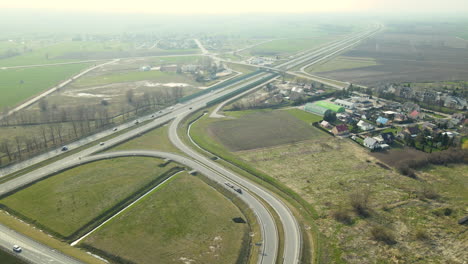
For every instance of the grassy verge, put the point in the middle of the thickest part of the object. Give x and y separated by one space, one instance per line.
7 257
183 220
156 139
72 202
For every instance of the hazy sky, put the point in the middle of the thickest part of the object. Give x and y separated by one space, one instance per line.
241 6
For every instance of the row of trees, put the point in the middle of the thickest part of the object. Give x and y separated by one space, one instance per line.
426 141
445 157
57 126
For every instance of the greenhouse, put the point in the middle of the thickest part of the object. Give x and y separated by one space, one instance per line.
331 106
315 109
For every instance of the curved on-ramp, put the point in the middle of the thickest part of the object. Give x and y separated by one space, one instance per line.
268 227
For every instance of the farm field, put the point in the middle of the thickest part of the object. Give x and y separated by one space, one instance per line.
337 177
402 55
261 129
17 85
341 63
66 202
330 174
69 51
183 221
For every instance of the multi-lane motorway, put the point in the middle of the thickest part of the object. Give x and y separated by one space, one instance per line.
252 194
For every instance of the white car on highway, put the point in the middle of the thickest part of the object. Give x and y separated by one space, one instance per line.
17 248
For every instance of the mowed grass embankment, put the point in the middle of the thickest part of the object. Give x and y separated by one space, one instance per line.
68 201
17 85
8 258
183 221
261 129
156 139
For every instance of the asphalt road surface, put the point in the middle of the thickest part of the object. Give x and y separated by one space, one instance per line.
32 250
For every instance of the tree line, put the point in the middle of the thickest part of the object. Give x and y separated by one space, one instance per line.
56 126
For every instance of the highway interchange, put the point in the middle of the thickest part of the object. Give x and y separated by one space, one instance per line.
252 193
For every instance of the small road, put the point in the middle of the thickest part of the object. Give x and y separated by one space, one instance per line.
32 250
200 46
47 64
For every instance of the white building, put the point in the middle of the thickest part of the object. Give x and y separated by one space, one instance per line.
345 104
364 125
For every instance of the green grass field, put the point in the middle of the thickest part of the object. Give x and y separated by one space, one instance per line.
261 129
17 85
68 51
131 76
157 139
287 46
342 63
6 258
327 173
307 117
67 201
184 221
57 53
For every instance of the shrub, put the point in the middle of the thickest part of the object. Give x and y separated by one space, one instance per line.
360 202
383 234
421 234
428 192
343 216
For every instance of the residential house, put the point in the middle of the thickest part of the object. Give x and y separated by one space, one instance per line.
388 137
325 124
455 102
410 107
416 115
428 126
364 125
379 139
340 130
382 120
400 118
412 131
371 143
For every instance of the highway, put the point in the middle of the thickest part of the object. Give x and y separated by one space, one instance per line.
292 234
32 250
